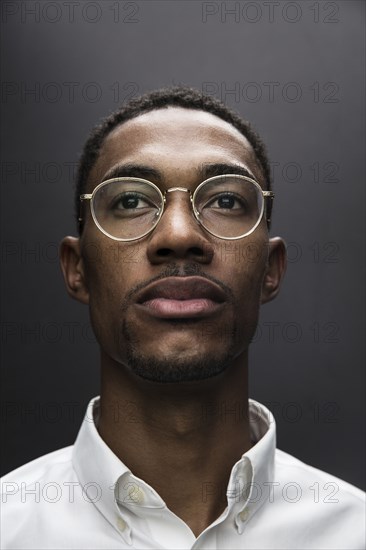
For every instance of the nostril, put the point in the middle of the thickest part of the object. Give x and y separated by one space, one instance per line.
194 251
197 251
164 252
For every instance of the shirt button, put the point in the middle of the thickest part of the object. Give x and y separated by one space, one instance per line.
244 514
121 524
135 495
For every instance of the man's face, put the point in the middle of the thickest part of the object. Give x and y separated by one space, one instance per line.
133 287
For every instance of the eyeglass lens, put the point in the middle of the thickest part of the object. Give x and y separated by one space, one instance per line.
227 206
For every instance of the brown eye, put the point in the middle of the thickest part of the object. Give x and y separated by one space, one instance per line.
226 201
130 201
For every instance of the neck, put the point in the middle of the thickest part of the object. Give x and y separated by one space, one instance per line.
190 421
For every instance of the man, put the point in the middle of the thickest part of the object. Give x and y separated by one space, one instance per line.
171 180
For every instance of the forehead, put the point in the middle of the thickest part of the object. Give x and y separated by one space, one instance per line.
174 141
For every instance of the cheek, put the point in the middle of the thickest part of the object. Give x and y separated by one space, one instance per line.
246 262
246 276
111 270
110 264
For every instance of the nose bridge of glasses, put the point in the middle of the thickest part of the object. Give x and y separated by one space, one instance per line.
183 189
180 189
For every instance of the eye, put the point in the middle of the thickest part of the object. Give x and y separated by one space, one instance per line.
130 201
227 201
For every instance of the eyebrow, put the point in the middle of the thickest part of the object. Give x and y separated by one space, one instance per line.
219 169
147 172
132 171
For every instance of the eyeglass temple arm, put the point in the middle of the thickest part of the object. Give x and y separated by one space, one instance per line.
85 197
268 195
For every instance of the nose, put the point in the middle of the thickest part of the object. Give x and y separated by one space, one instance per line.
178 234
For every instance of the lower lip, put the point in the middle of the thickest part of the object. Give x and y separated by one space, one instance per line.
180 309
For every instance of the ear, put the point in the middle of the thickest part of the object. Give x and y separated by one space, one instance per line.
275 270
72 267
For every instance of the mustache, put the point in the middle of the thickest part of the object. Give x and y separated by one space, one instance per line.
176 270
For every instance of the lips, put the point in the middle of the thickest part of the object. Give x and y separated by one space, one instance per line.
181 297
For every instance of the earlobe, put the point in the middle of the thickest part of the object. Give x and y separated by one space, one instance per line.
72 267
275 270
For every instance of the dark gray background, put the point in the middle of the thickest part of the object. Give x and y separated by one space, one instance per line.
296 70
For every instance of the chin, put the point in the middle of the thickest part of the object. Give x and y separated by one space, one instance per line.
175 368
185 356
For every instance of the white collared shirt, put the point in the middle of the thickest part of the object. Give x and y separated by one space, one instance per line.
84 497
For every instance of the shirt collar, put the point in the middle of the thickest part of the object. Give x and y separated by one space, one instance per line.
99 468
253 474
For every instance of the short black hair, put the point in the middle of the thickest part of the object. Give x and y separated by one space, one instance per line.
178 96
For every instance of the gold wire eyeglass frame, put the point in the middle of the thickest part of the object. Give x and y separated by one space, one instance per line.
90 197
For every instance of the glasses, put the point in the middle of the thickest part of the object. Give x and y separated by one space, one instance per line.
229 207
